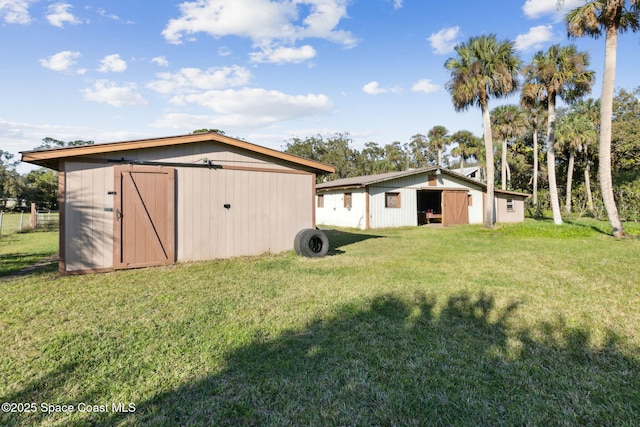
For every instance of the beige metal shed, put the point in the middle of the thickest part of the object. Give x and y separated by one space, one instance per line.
181 198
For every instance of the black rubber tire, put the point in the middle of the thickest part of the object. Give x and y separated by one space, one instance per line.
311 243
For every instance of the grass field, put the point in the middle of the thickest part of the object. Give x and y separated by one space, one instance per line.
527 324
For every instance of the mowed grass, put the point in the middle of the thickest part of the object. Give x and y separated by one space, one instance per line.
21 250
527 324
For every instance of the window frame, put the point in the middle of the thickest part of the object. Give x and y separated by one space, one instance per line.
398 199
348 197
511 204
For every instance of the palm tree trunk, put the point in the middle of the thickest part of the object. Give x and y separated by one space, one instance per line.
606 114
587 185
439 156
551 161
508 175
503 166
535 168
572 158
488 151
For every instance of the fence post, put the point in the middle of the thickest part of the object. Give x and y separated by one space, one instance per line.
1 213
21 220
32 220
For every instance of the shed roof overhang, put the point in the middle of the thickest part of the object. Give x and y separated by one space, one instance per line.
51 158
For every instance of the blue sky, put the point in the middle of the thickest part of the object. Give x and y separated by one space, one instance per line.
260 70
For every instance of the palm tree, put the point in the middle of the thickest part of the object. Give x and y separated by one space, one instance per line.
595 18
560 72
589 108
536 118
467 146
572 132
507 123
484 68
438 139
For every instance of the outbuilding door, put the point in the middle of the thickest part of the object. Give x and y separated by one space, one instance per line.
144 212
455 207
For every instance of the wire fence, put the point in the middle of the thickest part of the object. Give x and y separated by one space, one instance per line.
23 222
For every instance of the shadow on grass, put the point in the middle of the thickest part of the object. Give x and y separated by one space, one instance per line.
339 238
590 226
395 361
18 264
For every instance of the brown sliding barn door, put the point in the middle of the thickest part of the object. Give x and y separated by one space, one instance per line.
455 207
144 215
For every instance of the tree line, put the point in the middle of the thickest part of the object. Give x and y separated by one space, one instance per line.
519 147
485 69
39 186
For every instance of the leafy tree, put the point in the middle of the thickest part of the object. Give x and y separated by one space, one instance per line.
7 177
420 151
336 151
507 123
42 188
218 131
536 117
590 109
626 136
438 140
560 72
341 155
49 142
396 156
468 146
595 18
484 68
373 160
573 132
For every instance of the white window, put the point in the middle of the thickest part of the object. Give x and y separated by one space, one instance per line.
510 205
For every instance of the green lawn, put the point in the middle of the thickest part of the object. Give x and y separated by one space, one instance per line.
527 324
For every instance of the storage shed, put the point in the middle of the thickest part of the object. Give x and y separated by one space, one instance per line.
181 198
413 197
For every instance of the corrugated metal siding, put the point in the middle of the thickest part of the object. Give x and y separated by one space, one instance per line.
381 217
334 212
266 211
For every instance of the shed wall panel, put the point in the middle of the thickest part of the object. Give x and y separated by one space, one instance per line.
88 227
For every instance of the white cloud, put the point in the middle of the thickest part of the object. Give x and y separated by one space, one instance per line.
59 14
112 63
425 86
282 55
15 11
537 8
270 25
254 107
110 93
397 4
535 38
195 79
61 61
444 40
160 61
373 88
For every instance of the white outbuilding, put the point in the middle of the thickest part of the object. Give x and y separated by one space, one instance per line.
412 197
